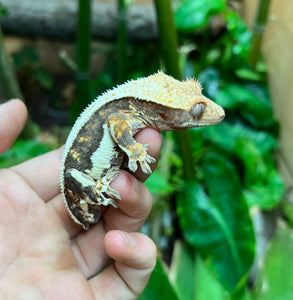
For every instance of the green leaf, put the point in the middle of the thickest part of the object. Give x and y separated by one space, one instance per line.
226 135
239 32
3 11
287 212
248 74
192 14
159 286
264 186
158 185
266 197
275 280
268 194
206 286
22 150
27 57
212 224
182 271
255 109
255 166
44 78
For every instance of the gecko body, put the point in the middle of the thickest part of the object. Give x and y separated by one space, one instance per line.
102 137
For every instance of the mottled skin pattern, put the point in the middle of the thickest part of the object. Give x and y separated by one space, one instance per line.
103 135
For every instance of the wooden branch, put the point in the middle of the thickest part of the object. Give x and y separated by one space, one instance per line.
58 19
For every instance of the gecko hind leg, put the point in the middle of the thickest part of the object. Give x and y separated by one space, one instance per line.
93 192
106 194
80 198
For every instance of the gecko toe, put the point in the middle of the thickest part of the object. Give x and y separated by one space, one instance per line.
132 165
150 159
146 168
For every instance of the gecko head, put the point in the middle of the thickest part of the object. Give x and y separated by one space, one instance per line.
204 112
185 104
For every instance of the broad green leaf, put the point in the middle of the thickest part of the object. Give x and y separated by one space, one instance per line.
219 225
262 196
182 271
241 35
264 186
226 135
206 286
157 184
253 108
275 280
193 14
22 150
267 195
248 74
255 166
287 212
226 99
44 78
3 11
27 58
159 286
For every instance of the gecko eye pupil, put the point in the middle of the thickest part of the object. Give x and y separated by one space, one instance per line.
163 116
198 110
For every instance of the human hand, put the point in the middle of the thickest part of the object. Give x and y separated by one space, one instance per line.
44 254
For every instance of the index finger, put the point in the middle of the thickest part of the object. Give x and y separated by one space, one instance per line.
13 115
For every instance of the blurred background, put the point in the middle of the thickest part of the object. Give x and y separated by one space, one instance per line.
223 200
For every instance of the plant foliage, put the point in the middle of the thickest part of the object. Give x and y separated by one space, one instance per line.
235 168
3 11
208 218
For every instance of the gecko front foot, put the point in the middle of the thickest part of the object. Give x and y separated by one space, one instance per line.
138 153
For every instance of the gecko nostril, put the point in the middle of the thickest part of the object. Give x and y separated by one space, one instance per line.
198 110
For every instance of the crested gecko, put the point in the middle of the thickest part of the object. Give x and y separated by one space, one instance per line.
103 136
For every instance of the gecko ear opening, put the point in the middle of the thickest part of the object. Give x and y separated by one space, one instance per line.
163 116
198 110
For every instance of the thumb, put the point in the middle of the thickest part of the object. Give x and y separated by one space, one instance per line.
13 115
134 257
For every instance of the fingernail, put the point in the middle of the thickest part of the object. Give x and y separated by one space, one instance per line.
129 239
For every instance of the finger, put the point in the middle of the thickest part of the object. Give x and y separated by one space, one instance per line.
42 173
134 207
153 138
135 258
13 115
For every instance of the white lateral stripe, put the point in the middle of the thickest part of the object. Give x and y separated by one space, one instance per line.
78 176
101 158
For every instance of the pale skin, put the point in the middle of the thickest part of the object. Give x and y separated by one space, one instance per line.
44 254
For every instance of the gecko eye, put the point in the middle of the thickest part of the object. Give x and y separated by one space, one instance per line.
198 110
